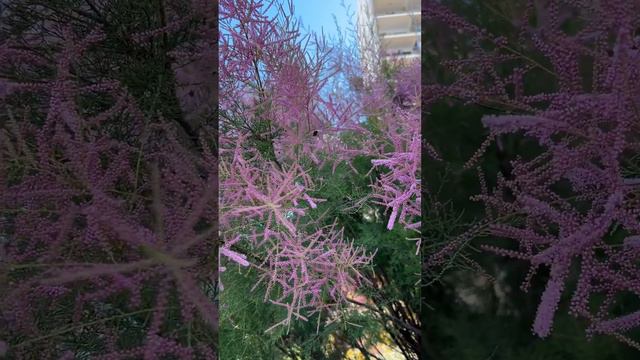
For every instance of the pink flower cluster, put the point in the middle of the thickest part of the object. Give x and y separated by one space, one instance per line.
99 207
565 207
397 149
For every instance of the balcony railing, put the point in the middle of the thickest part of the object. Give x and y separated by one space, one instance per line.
412 30
412 12
401 53
390 7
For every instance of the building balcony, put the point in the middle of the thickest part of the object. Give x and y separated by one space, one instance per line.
405 40
393 7
407 45
393 24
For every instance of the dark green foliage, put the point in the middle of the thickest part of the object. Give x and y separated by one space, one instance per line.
245 316
474 307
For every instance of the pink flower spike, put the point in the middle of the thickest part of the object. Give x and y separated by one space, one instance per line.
237 257
310 201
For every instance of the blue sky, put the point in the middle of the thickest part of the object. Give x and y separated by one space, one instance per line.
317 15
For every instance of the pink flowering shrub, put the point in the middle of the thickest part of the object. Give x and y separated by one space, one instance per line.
275 124
573 207
397 149
278 123
108 210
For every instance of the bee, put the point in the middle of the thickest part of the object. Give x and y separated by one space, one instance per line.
311 134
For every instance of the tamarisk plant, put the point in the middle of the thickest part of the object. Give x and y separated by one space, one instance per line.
572 208
397 149
274 125
108 210
279 122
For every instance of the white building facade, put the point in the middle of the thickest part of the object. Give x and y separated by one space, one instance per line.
388 29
